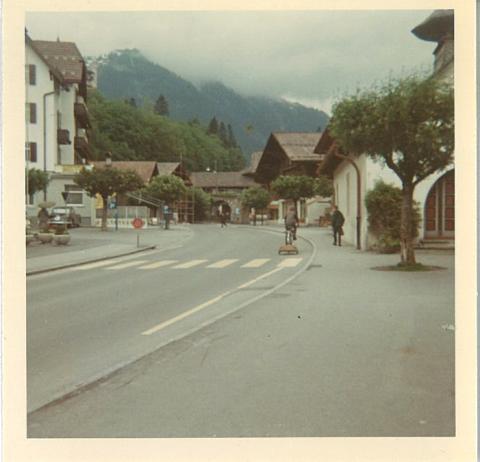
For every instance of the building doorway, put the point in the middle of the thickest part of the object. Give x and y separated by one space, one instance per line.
440 208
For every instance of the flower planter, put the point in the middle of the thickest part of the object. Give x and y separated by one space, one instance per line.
61 239
29 238
45 238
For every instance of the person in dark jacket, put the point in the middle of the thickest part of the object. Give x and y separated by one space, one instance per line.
291 221
337 222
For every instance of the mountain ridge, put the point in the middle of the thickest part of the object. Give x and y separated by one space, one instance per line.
124 74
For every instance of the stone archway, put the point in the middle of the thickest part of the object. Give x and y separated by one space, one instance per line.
439 212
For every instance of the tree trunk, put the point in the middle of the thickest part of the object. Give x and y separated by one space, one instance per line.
104 213
407 252
261 218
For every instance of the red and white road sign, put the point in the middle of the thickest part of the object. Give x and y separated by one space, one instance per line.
138 223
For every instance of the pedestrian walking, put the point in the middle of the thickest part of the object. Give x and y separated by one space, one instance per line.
337 225
223 220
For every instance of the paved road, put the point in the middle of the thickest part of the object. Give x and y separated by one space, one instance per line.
341 350
92 319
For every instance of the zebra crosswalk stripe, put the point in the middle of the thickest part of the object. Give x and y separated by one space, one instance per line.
127 265
158 264
223 263
189 264
289 262
256 263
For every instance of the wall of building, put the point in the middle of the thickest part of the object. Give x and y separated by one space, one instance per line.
34 94
66 104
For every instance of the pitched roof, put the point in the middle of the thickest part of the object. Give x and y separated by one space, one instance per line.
145 169
63 56
436 26
167 168
254 160
221 180
299 146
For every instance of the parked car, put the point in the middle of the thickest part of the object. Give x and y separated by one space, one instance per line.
64 216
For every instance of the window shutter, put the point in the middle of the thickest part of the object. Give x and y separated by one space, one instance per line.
32 74
33 152
33 113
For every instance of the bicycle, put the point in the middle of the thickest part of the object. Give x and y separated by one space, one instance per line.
289 233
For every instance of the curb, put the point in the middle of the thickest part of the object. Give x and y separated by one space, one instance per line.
84 262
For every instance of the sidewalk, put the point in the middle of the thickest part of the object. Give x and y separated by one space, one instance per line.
90 244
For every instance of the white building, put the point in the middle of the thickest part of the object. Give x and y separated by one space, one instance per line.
56 121
352 179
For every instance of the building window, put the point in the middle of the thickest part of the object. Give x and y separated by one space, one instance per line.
31 113
31 152
75 194
32 74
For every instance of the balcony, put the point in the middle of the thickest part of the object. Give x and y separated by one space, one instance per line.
82 147
63 136
81 113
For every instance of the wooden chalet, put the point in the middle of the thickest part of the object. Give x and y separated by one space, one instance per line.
288 154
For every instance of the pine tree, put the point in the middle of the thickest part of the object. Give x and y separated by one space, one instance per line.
222 134
232 142
161 106
213 127
131 102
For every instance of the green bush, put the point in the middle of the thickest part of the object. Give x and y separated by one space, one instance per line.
384 206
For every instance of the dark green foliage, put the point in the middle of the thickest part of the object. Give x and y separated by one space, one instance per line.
222 134
294 187
384 206
128 73
106 182
255 197
323 186
37 181
232 142
408 125
166 188
213 127
139 134
161 106
202 203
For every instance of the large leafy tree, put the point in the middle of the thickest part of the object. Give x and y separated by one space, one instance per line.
407 124
202 202
255 197
37 180
107 181
323 186
166 188
294 187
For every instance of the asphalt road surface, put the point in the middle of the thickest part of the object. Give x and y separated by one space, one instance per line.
225 338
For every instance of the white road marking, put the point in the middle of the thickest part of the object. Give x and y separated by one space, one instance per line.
223 263
159 264
183 315
127 265
290 262
96 264
253 281
189 264
205 304
255 263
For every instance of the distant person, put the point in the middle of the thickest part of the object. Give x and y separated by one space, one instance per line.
291 221
43 217
223 220
337 225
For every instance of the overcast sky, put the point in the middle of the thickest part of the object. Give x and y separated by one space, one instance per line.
312 57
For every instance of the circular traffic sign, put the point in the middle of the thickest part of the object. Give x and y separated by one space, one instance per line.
137 223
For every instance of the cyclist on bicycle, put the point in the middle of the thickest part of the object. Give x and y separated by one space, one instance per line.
291 221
